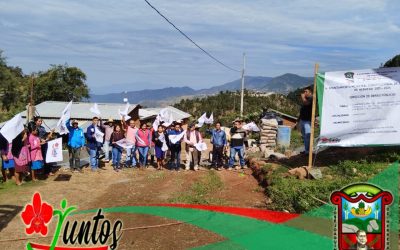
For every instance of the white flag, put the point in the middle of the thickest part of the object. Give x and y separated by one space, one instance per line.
209 120
202 119
98 135
156 123
175 138
124 143
12 128
124 113
65 116
164 143
95 109
251 127
164 114
54 151
169 121
201 146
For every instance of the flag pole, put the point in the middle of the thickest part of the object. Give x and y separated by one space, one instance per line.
314 104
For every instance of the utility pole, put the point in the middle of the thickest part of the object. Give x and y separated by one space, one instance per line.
241 96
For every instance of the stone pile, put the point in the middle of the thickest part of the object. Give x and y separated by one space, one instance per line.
269 131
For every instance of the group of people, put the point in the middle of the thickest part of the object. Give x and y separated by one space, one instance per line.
145 141
26 154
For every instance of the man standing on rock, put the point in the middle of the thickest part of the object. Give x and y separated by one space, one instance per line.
238 136
305 117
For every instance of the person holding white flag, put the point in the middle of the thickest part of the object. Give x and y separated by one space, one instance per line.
175 137
115 137
92 144
44 138
143 141
160 145
35 151
131 131
192 137
76 140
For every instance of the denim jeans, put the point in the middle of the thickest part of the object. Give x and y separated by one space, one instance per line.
116 156
306 134
94 161
106 149
233 151
143 151
131 156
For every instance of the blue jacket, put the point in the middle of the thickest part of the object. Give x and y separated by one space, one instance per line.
218 137
91 139
76 137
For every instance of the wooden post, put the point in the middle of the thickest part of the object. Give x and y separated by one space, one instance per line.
314 104
31 107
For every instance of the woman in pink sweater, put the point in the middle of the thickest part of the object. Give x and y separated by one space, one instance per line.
36 153
143 140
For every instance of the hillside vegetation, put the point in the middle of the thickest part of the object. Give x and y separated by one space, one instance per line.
226 105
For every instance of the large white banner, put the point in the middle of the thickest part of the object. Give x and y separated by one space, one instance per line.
360 107
54 151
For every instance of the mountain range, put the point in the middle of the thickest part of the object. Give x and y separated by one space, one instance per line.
159 97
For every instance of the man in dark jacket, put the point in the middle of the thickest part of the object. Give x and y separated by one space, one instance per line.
305 117
238 136
92 144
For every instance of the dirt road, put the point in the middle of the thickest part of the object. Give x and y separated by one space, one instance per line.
106 188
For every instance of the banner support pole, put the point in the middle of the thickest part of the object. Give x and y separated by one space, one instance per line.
314 104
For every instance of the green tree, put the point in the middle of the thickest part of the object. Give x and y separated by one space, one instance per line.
61 83
12 88
394 62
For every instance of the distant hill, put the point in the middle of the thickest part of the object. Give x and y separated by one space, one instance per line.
251 82
286 83
145 95
158 97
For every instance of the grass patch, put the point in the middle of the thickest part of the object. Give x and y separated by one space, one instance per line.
300 196
10 186
200 191
159 175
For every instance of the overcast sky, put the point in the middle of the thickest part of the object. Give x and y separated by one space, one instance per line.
126 45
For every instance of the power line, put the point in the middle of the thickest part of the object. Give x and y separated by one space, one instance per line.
187 37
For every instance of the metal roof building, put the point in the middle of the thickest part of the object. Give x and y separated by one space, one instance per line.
81 110
176 113
50 112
